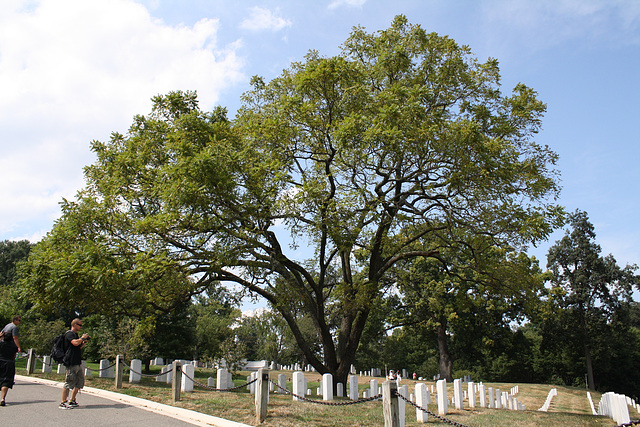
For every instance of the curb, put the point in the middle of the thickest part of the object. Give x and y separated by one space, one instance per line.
182 414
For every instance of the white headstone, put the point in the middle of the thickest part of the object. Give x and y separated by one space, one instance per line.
169 374
46 364
471 394
340 390
457 393
498 399
162 377
327 387
188 370
373 387
104 371
404 392
422 400
252 386
282 382
483 396
298 385
135 371
492 400
443 400
221 379
353 387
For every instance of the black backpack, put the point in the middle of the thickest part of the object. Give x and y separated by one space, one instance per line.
58 350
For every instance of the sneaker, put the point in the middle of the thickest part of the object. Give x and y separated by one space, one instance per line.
64 405
73 404
2 403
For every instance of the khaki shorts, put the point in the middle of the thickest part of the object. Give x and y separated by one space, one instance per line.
75 377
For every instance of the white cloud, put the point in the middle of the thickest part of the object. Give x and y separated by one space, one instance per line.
264 19
349 3
75 70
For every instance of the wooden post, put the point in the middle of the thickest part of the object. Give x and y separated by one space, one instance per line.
176 384
262 394
390 409
119 371
31 362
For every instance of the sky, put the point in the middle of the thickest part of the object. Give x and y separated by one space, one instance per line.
73 71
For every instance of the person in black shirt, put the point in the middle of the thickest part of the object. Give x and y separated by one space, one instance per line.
74 380
8 348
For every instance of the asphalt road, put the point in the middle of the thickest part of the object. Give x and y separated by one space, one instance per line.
35 404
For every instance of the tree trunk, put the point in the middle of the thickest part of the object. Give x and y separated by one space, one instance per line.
587 357
587 349
446 363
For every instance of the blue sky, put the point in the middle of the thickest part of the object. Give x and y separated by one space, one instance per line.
72 71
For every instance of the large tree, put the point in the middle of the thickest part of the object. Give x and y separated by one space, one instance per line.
589 288
400 146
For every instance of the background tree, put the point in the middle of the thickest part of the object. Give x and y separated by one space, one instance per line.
468 306
399 147
592 289
215 316
10 254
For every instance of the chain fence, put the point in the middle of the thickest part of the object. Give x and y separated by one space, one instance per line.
434 415
322 402
199 384
147 375
52 362
630 423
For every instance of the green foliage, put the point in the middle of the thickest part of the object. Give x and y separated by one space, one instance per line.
112 336
214 320
39 333
11 253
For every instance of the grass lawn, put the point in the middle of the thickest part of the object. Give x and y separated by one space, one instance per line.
569 408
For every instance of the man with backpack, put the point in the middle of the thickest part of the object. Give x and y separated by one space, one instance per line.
74 380
9 346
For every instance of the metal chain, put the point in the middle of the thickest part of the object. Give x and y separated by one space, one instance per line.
147 375
321 402
445 420
102 369
218 389
630 423
91 369
45 363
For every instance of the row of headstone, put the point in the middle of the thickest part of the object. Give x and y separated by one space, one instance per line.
545 406
373 372
47 367
158 361
488 396
309 368
325 390
616 407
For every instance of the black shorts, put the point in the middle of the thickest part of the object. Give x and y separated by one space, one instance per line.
7 373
